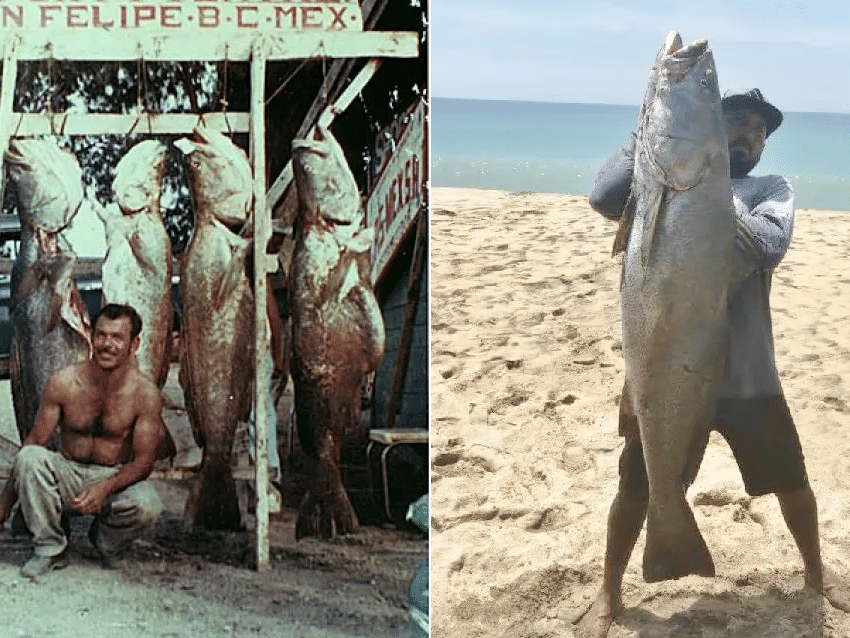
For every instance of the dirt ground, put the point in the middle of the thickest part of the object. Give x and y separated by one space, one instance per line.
183 584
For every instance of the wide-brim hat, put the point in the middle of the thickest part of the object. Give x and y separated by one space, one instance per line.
753 99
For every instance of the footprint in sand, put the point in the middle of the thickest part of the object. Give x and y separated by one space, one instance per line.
567 400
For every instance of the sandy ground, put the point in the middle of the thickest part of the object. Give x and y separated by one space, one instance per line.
202 584
526 374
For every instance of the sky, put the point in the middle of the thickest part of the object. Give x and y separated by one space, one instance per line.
797 53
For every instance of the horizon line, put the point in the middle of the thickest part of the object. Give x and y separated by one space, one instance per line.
634 106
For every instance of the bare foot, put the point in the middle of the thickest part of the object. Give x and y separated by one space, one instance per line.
834 589
596 621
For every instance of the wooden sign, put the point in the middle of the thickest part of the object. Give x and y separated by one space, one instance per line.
199 30
399 192
211 17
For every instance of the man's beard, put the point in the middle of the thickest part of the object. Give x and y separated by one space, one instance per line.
740 165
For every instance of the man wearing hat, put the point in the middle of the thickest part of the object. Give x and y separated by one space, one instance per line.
751 412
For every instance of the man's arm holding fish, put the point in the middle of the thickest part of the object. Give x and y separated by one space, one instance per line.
763 232
614 182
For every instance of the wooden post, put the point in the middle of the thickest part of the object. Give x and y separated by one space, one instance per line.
7 95
278 188
402 355
261 343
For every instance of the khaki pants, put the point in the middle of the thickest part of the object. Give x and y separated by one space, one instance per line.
47 482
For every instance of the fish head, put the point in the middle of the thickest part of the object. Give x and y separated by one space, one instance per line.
684 120
221 178
138 178
325 184
48 181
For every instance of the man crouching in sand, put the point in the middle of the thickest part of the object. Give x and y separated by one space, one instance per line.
110 424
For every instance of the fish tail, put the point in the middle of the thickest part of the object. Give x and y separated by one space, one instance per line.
674 545
213 502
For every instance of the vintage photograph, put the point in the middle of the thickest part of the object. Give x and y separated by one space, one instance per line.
214 289
639 354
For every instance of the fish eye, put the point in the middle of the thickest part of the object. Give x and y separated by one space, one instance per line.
703 82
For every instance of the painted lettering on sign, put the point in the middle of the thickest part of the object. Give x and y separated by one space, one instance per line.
167 16
398 193
404 188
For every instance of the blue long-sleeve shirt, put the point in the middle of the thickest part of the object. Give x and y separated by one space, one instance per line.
764 212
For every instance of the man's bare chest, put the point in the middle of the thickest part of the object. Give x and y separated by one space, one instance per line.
99 416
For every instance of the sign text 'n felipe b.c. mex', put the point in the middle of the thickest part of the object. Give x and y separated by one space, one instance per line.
215 17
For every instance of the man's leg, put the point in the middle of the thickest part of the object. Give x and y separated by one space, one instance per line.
124 517
625 521
764 440
799 508
44 480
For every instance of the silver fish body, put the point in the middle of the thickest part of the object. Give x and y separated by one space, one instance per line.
217 341
337 327
677 267
49 320
137 267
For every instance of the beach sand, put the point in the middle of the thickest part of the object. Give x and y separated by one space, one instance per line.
526 374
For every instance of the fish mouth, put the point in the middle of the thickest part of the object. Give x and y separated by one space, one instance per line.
678 60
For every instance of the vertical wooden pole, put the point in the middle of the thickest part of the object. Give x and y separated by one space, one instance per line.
261 344
7 96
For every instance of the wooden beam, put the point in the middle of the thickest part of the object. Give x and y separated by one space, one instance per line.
102 46
7 95
402 355
283 180
332 87
262 230
31 124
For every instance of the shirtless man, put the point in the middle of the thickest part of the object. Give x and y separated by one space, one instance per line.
110 424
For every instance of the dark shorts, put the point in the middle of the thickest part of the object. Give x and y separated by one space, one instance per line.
760 432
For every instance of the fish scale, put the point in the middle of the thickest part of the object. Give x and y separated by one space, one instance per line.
337 327
676 271
137 267
217 341
49 320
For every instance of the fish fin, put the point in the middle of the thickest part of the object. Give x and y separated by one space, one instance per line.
76 315
674 545
232 275
139 253
27 286
650 222
213 502
55 315
621 239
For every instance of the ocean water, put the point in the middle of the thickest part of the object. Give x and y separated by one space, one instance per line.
559 148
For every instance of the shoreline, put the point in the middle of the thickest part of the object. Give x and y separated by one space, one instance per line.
455 190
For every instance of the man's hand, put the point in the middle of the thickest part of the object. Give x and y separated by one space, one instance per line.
90 500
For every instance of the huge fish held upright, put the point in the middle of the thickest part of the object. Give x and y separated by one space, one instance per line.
675 278
217 343
50 322
137 266
337 328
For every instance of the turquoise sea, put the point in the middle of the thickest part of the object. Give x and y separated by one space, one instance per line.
558 148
